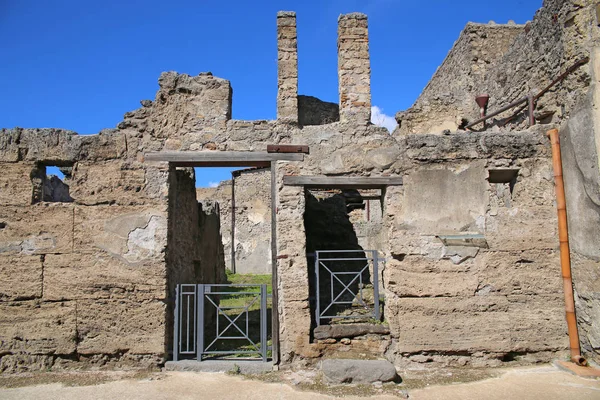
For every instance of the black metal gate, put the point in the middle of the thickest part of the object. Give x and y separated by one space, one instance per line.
220 320
347 283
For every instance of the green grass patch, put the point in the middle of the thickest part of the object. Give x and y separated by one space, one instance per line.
241 300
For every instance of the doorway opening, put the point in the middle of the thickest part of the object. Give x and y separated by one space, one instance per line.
344 234
219 262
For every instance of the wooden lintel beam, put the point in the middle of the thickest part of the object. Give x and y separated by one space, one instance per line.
342 182
221 158
287 148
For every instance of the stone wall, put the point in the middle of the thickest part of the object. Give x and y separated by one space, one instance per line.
287 67
455 299
354 68
450 94
312 111
507 63
83 280
471 272
252 220
561 33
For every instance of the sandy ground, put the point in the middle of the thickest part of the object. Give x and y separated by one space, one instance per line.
519 383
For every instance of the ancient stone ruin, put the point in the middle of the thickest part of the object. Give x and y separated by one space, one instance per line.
463 221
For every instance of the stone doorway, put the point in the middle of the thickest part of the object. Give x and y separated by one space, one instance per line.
190 259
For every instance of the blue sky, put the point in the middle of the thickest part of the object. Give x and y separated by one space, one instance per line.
81 65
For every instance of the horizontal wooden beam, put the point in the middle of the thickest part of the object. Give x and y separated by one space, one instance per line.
287 148
342 182
221 158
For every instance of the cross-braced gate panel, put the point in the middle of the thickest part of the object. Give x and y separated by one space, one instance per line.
214 320
347 284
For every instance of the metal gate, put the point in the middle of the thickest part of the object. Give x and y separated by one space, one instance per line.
217 320
343 278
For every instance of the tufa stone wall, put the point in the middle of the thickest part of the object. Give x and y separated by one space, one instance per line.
450 94
287 67
252 220
92 279
507 63
312 111
354 68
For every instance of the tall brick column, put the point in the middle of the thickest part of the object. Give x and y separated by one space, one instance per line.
287 67
354 68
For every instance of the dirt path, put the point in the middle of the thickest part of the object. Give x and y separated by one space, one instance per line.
529 383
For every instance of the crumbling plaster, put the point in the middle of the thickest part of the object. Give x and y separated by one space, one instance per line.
79 301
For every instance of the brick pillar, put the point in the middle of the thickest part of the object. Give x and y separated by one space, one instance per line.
354 68
287 67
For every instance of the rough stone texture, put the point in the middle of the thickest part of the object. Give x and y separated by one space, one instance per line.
450 94
358 371
287 67
211 252
349 330
134 229
581 170
312 111
252 220
354 68
126 326
507 62
21 277
30 328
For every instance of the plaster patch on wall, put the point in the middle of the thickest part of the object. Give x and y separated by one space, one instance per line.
142 242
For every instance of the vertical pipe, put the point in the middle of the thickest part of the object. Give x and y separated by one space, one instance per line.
274 283
565 259
530 107
176 326
233 221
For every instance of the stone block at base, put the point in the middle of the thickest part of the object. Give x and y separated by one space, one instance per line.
239 366
339 371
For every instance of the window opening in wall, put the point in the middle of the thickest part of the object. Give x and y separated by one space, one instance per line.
50 183
503 181
343 226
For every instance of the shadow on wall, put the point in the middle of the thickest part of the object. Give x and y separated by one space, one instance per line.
328 227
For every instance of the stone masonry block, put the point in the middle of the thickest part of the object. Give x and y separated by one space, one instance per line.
114 326
37 328
450 324
101 276
518 273
38 229
20 277
422 277
537 323
522 228
16 188
108 182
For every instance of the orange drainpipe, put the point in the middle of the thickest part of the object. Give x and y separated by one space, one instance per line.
565 255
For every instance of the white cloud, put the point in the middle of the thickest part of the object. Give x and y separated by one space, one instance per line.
380 119
213 184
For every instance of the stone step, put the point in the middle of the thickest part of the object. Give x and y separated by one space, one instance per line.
340 331
239 366
338 371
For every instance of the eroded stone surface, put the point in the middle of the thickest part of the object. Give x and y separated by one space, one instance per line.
95 277
338 371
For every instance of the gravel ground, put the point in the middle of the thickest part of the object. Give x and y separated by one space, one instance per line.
517 383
